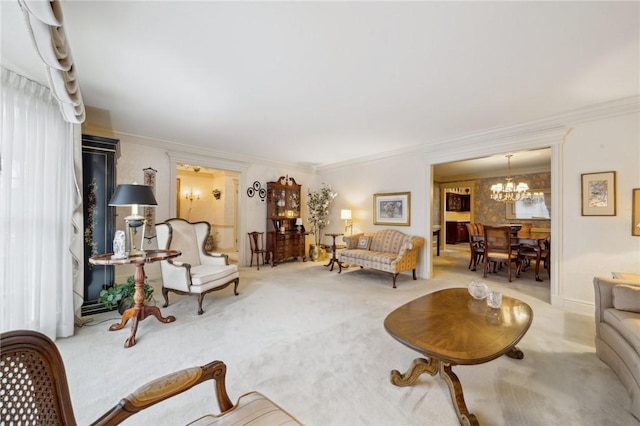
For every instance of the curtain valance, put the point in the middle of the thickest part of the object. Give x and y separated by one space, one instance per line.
44 21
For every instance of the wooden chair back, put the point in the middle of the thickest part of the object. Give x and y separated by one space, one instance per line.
499 249
258 249
34 382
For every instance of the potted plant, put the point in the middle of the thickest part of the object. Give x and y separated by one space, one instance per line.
121 295
318 204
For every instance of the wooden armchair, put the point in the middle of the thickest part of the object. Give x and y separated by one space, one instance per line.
34 389
476 244
196 271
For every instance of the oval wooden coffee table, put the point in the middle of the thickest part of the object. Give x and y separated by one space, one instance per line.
452 328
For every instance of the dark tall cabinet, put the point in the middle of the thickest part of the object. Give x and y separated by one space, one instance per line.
99 157
283 208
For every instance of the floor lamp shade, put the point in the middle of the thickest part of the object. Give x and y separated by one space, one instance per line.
134 195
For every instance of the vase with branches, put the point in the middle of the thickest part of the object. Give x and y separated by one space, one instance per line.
319 204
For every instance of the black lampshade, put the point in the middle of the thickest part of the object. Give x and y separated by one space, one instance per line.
131 194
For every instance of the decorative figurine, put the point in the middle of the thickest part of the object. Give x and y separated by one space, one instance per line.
119 246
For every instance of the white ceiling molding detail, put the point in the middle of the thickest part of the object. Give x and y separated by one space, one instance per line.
535 134
44 22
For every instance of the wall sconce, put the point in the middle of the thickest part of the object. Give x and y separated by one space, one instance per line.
191 195
345 214
134 195
216 194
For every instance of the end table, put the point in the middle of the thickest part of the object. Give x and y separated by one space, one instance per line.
333 259
139 311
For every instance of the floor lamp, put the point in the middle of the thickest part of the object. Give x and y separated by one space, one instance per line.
134 195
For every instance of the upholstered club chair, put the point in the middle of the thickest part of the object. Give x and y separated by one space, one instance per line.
34 390
196 271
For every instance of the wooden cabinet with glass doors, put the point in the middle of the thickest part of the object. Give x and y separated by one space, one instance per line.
285 239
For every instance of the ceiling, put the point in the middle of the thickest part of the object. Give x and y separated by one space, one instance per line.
317 83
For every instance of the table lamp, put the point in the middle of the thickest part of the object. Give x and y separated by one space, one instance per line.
345 214
299 224
134 195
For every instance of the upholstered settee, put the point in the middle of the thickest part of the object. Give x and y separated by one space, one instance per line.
618 331
386 250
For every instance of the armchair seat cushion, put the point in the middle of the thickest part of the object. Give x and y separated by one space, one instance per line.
253 409
204 274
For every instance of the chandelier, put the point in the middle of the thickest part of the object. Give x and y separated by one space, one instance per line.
508 192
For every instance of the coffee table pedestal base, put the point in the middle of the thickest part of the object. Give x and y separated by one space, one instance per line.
434 366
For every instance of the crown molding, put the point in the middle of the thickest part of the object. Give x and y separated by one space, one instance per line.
177 148
534 134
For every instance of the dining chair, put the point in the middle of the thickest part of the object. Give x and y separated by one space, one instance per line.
34 389
258 249
529 253
476 245
499 249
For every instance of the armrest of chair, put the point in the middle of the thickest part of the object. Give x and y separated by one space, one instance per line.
214 259
411 244
168 386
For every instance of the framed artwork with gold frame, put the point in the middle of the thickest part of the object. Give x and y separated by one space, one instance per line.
599 194
392 208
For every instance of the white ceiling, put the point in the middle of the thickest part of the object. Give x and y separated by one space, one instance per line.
322 82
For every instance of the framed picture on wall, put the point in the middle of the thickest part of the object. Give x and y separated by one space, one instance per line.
599 194
392 208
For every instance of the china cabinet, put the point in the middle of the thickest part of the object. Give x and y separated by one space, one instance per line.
285 239
458 202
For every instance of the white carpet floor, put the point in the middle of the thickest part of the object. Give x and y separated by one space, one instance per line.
314 342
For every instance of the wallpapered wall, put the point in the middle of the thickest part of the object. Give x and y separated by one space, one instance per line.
490 212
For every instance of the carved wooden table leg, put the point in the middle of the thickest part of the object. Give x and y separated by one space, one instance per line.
434 366
515 353
418 366
139 311
457 397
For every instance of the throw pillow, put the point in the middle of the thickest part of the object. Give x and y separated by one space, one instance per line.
626 298
626 276
363 243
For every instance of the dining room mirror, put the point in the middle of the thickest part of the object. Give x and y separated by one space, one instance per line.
535 206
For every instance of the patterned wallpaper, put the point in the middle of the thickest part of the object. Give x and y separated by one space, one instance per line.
490 212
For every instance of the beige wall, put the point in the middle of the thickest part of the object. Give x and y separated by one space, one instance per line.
589 246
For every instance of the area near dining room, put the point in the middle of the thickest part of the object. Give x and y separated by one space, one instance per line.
464 195
210 195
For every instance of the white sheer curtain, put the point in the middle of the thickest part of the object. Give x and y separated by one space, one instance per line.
37 198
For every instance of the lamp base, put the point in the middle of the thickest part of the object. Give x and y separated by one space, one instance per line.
133 222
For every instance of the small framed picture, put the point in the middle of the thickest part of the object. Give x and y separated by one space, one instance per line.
392 209
599 194
635 213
